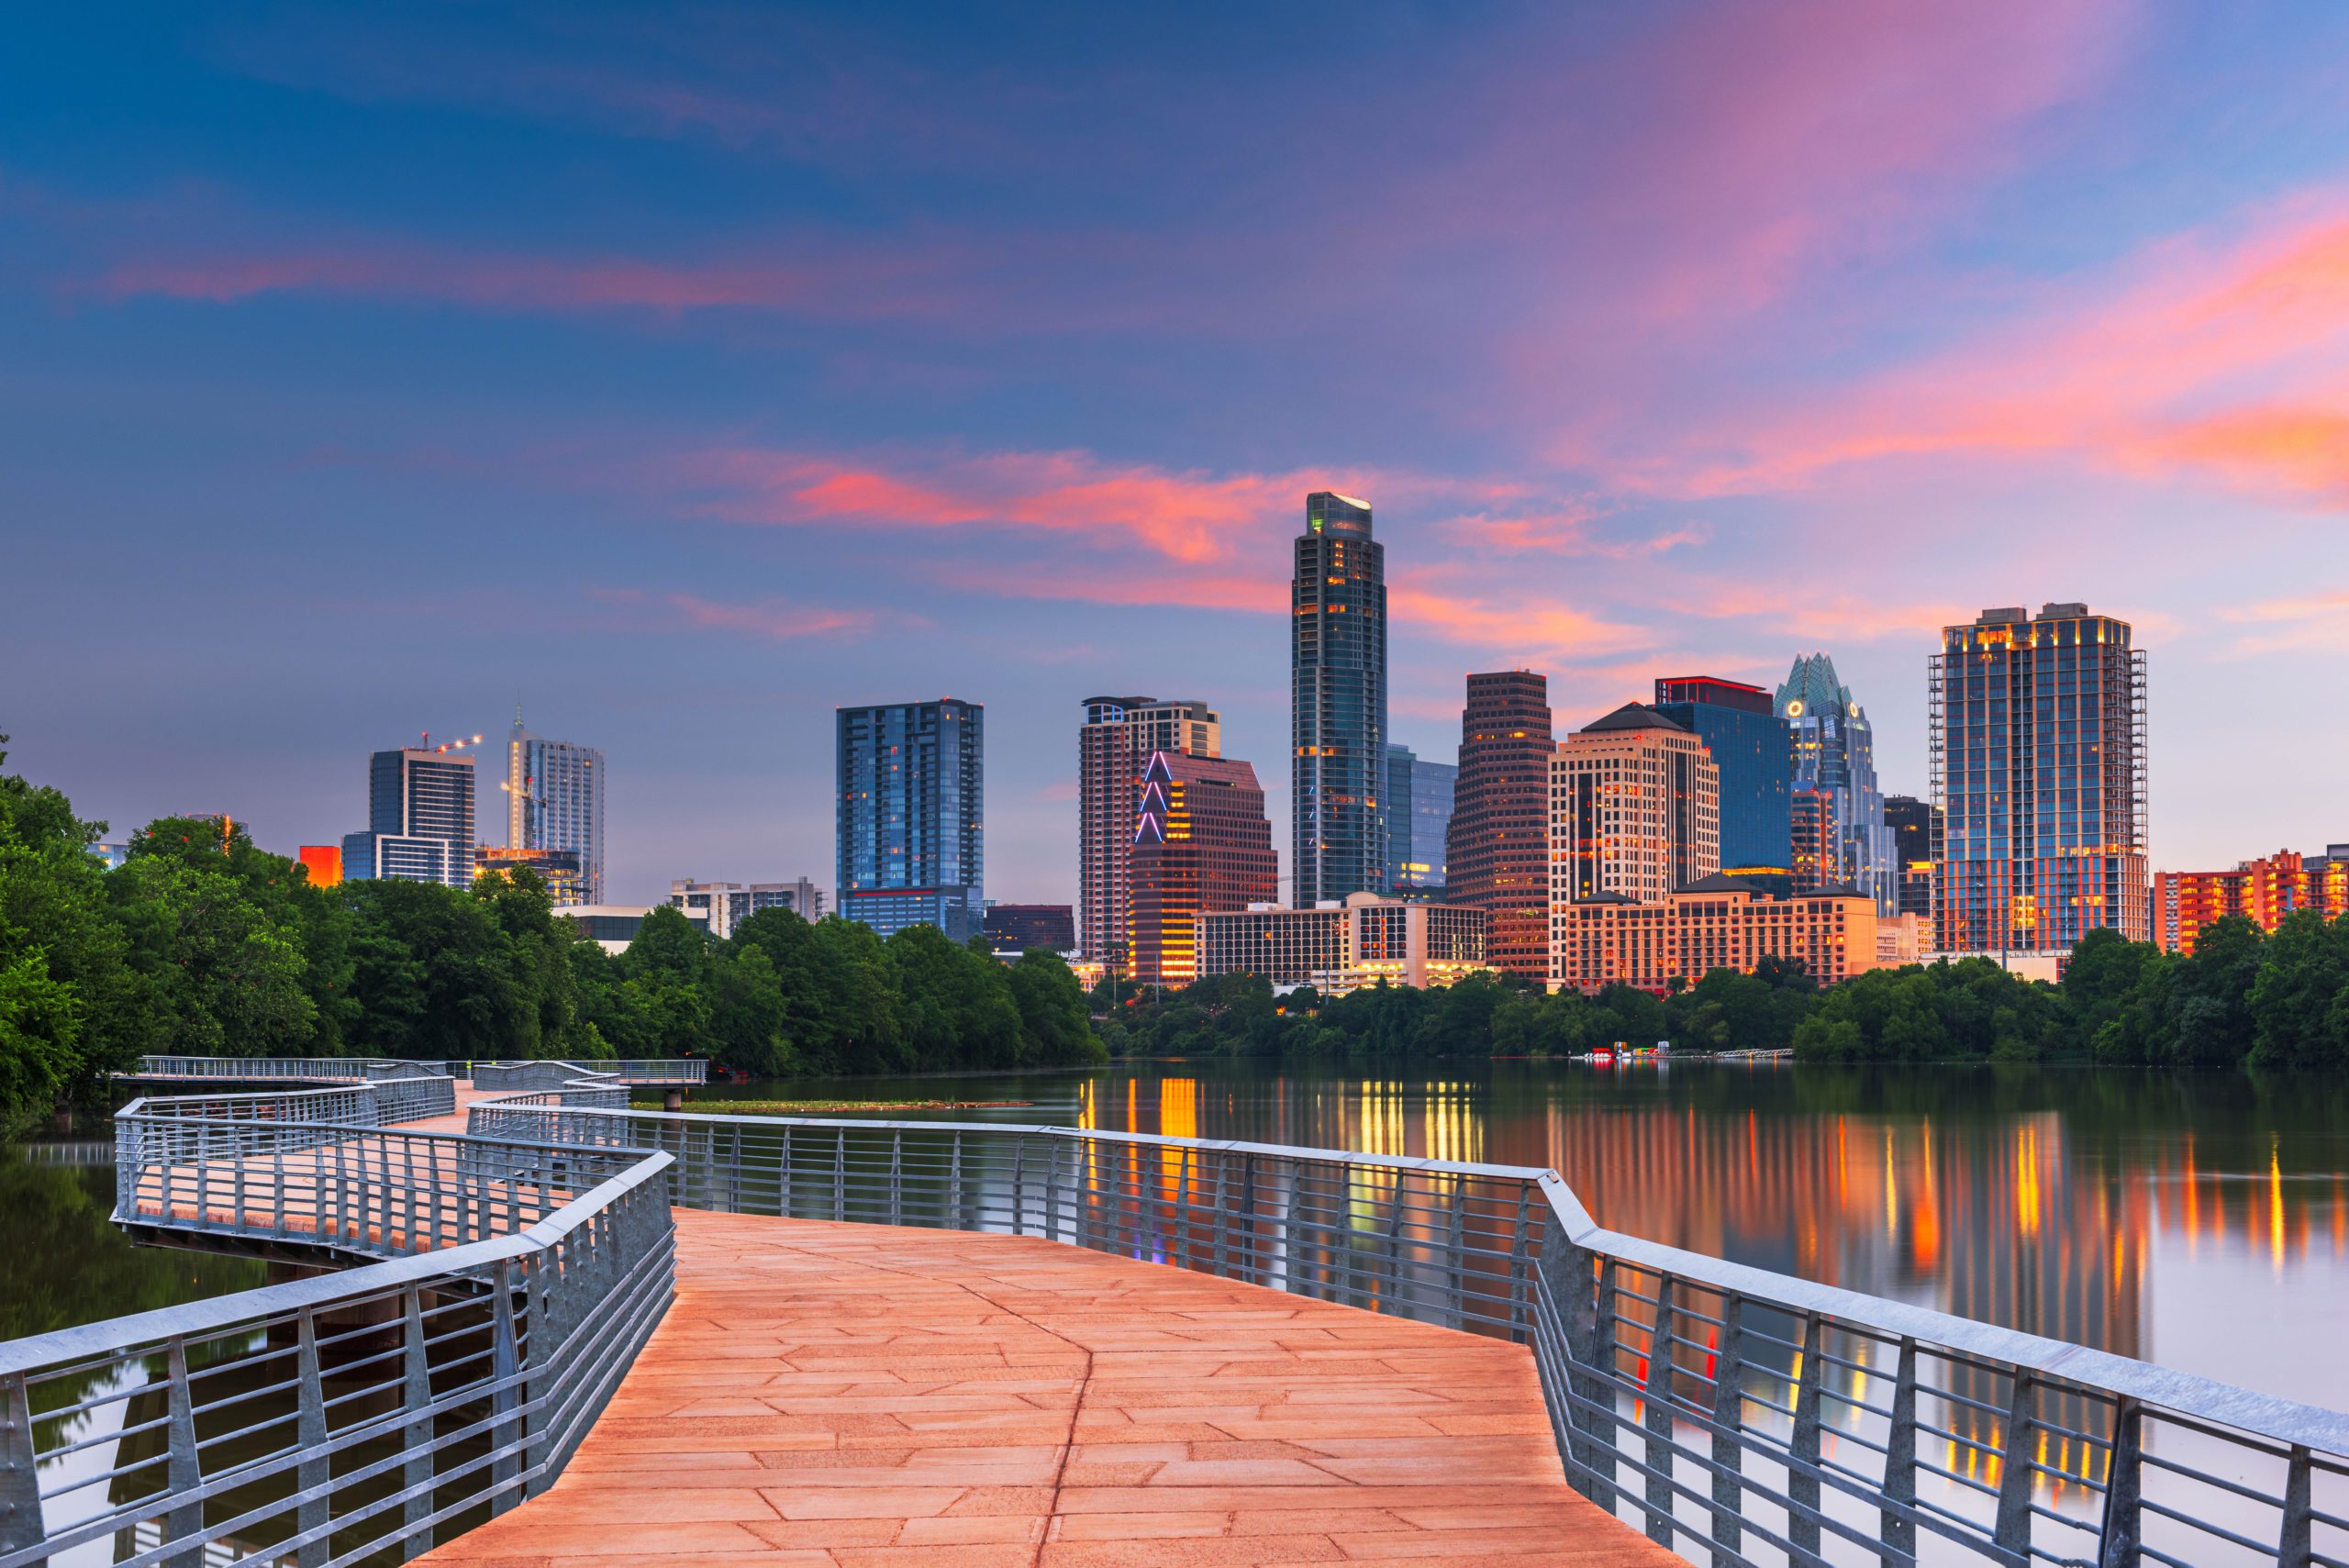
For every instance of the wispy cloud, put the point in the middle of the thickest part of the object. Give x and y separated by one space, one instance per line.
770 618
2307 623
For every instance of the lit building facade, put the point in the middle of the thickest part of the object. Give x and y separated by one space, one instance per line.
554 800
2037 740
1345 944
419 819
1752 746
2262 891
912 786
560 868
1112 746
1833 749
1419 796
1202 843
726 905
1338 701
1720 922
322 861
1495 854
1916 848
1018 928
1634 809
1817 839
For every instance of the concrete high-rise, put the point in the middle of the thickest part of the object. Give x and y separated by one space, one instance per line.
1834 751
1751 746
419 819
1495 854
1338 701
2038 747
1634 810
912 786
1202 843
1112 747
1419 796
554 800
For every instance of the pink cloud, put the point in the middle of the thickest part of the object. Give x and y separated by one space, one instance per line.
2310 623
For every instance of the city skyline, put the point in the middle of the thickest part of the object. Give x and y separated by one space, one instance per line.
360 378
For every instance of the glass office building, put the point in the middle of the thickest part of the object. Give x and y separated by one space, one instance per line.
554 801
1752 746
1833 749
2038 749
1338 701
1419 814
419 819
910 816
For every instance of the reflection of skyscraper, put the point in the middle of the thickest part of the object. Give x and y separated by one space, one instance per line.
1420 796
1749 746
1834 749
1202 842
1116 740
2038 745
912 786
419 819
554 800
1338 701
1496 845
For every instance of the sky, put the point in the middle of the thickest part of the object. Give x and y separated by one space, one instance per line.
681 372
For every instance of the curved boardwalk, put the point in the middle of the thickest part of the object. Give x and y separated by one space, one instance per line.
851 1395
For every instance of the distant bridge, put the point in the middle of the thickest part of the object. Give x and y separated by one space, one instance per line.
808 1339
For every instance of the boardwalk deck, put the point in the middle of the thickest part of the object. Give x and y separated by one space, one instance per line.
854 1395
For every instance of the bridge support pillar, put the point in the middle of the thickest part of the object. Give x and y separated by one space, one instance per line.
673 1099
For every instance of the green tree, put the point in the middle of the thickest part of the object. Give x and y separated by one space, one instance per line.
954 1000
1054 1026
224 977
2299 1003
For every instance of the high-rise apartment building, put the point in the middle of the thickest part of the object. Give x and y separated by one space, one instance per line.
1752 746
1345 944
912 785
1834 749
1817 837
554 800
2263 891
1420 796
1201 843
419 819
724 906
1114 745
1495 854
2038 750
1916 828
1634 809
1338 701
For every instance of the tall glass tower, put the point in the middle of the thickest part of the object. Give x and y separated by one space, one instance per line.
1338 701
1834 753
912 786
554 800
419 819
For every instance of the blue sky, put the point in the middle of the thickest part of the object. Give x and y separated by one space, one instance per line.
683 371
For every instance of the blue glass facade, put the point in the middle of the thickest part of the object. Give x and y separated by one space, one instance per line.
1338 701
1835 751
1752 746
419 819
1418 818
911 844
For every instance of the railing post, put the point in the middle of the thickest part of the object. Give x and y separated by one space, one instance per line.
506 1362
1517 1314
1019 1192
1395 1211
310 1430
2119 1542
1729 1415
20 1521
783 1177
1899 1528
415 1438
1455 1258
2294 1545
183 1467
1250 1265
840 1176
953 1206
2013 1529
1659 1413
539 1343
1802 1470
1222 1214
896 1177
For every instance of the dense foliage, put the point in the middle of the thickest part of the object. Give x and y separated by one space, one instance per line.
2242 998
203 945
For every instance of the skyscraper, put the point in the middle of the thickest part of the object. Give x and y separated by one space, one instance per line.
2038 749
1419 796
1112 746
1495 854
1634 810
912 787
1916 848
419 819
1818 854
554 800
1752 746
1202 843
1834 751
1338 701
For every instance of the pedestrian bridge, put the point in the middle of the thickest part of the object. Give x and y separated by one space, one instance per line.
563 1329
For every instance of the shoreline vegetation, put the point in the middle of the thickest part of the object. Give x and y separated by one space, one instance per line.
713 1106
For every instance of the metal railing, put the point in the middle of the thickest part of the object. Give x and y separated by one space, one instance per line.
683 1071
1735 1415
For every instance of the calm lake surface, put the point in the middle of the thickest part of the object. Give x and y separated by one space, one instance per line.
2202 1221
